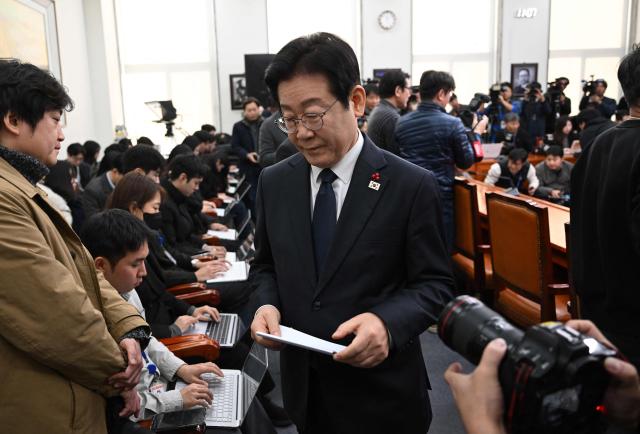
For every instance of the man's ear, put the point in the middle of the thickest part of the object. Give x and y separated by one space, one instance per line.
11 123
101 263
358 98
183 177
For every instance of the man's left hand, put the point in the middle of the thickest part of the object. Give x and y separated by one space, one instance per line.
206 313
131 403
192 373
130 377
370 347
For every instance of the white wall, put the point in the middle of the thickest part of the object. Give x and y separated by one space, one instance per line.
241 28
386 48
76 77
525 40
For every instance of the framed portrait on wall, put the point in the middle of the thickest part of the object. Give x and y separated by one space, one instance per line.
28 33
522 75
238 88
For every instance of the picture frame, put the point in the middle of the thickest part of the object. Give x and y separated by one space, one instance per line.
238 90
523 74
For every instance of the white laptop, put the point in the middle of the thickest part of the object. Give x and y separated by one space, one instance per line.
233 393
231 234
225 331
238 272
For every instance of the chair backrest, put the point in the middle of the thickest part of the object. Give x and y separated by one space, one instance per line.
520 246
467 217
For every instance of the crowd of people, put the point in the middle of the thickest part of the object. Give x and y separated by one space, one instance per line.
350 188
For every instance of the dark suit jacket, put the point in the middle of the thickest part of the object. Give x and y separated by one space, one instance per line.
178 224
95 195
388 257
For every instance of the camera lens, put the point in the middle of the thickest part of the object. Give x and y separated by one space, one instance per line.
467 326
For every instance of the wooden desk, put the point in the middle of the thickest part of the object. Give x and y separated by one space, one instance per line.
558 216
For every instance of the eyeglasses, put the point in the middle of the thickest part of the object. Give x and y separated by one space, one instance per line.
311 121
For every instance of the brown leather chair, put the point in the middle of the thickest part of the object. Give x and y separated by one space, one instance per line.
470 256
521 258
196 294
200 346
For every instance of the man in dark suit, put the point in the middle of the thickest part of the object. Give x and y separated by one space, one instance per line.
350 248
96 193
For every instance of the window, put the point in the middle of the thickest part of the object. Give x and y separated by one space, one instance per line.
168 54
462 43
587 37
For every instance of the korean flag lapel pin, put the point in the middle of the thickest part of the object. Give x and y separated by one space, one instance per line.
374 184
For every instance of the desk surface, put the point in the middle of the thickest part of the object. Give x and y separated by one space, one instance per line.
558 214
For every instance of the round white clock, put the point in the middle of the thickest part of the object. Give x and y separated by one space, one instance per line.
386 20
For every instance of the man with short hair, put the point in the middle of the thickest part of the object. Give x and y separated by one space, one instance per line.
79 172
605 105
395 92
373 98
497 111
99 188
63 328
349 248
513 136
514 173
144 160
605 223
244 142
554 175
435 140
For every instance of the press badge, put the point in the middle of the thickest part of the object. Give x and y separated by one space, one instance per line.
157 387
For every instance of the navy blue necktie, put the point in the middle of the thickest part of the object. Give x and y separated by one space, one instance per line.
324 218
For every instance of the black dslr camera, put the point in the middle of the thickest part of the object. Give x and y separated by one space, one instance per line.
552 377
588 86
477 100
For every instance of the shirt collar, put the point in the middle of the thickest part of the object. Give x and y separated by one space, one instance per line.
113 186
344 168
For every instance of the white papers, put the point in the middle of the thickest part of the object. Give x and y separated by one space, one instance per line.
220 212
299 339
229 234
237 272
231 257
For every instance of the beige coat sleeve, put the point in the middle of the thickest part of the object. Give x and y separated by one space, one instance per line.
44 312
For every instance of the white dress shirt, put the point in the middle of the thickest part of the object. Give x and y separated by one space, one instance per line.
343 170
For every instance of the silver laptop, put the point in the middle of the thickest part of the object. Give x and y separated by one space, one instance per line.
225 331
233 393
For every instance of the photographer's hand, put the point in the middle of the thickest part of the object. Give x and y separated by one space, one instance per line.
622 398
478 395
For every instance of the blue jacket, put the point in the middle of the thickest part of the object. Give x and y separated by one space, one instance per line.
436 141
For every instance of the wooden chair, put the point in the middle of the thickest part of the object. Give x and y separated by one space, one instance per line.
574 303
521 259
196 294
470 256
200 346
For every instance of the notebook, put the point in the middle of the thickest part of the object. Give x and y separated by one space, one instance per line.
233 393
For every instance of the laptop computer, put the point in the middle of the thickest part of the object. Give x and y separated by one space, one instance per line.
231 234
225 332
234 392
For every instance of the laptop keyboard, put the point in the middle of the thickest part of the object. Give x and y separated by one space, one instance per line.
218 331
224 404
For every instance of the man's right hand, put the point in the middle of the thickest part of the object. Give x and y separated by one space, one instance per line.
185 322
196 394
622 398
267 320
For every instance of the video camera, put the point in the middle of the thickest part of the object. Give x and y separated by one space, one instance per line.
477 100
552 377
532 91
588 87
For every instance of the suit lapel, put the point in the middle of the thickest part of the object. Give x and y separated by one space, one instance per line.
300 215
358 205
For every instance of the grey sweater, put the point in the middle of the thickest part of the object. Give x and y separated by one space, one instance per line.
382 126
553 180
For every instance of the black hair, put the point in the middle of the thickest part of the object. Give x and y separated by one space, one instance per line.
125 143
518 154
554 150
621 113
602 81
142 157
119 147
187 164
179 150
91 151
191 141
505 84
28 92
222 138
372 88
75 149
111 160
59 180
433 82
208 128
390 80
589 115
319 53
466 116
250 100
629 76
144 140
113 234
558 135
204 136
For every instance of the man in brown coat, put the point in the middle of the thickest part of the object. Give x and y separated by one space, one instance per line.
63 328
